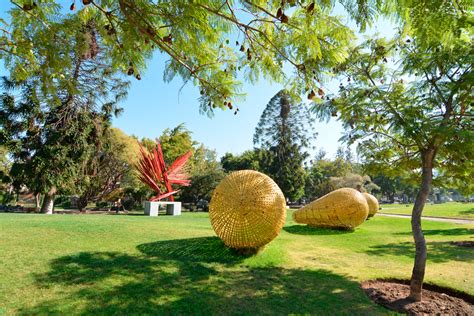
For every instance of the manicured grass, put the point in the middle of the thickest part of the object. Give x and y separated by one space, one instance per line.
450 209
105 264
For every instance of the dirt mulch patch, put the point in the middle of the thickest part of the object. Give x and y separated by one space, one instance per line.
467 244
393 294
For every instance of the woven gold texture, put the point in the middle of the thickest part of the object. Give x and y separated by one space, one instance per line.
247 209
373 204
343 208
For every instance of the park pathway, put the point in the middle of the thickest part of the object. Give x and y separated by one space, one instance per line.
431 218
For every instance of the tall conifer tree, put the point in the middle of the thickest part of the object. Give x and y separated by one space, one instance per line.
285 130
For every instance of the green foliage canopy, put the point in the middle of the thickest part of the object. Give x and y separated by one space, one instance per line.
210 44
213 44
108 166
176 142
248 160
419 100
206 173
319 173
53 127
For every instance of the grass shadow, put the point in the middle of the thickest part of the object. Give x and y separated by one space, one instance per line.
111 283
437 251
308 230
201 249
467 212
89 267
443 232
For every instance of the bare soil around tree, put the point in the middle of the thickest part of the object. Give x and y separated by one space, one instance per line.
393 294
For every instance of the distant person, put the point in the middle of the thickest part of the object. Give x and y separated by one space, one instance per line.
118 206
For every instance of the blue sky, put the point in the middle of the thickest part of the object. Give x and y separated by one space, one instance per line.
153 105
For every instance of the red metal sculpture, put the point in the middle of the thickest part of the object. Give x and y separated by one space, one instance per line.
153 172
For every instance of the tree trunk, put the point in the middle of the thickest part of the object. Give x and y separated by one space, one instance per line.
82 202
37 202
48 201
418 274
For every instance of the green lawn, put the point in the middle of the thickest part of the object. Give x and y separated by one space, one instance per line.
105 264
451 209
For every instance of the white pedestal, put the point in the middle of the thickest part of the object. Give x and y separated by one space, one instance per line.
172 208
151 208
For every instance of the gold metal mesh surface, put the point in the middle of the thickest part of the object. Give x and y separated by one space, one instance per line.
247 209
343 208
373 204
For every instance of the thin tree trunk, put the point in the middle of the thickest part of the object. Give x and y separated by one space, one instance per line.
418 274
37 202
48 201
82 202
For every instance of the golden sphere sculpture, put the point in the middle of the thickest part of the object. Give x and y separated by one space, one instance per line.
247 210
344 208
373 203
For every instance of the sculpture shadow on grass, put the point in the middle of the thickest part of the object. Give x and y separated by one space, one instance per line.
443 232
111 283
437 251
308 230
201 249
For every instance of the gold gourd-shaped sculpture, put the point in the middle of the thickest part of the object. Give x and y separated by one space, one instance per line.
344 208
373 204
247 210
